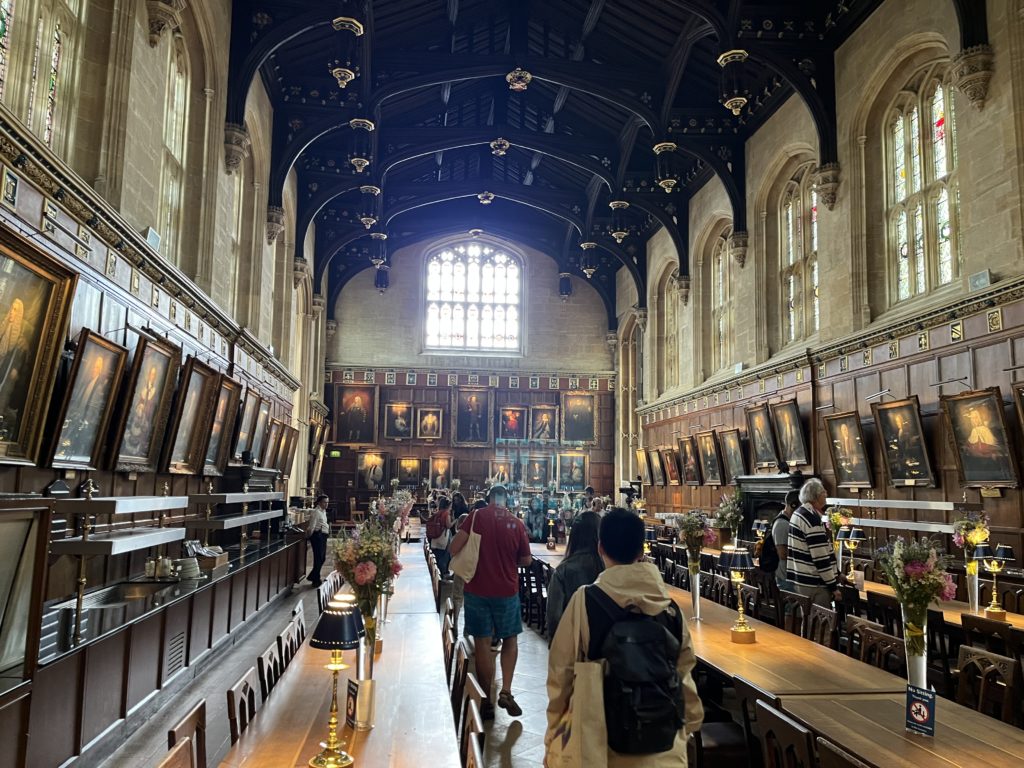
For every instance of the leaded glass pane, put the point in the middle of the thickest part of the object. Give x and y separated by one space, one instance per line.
939 132
446 280
459 281
487 284
499 326
903 257
487 327
790 308
512 283
473 326
433 325
788 213
899 155
499 283
458 326
51 88
915 151
814 220
433 280
944 239
473 281
919 262
445 333
512 328
814 296
6 17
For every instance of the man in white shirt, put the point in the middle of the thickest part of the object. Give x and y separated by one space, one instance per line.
317 530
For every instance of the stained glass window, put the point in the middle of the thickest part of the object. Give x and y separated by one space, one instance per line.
720 302
790 308
923 205
816 313
473 298
6 17
173 170
52 84
799 237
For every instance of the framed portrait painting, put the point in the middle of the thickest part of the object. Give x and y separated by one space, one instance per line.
689 461
977 428
471 416
409 471
904 452
847 450
644 467
762 444
670 464
733 463
544 423
88 402
398 418
286 461
500 471
259 430
710 457
790 433
572 472
538 472
247 426
657 470
272 444
429 422
356 409
225 411
371 470
190 421
440 471
149 394
579 418
513 422
35 303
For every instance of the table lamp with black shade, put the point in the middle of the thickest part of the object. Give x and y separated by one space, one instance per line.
340 628
738 563
995 562
854 538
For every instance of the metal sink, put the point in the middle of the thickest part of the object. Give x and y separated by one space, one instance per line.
119 595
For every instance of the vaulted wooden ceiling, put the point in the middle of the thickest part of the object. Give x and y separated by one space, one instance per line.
609 80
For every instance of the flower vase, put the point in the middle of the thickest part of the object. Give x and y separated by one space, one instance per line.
364 673
971 566
693 565
915 637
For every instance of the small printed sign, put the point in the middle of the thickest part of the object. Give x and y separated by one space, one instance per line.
920 711
350 703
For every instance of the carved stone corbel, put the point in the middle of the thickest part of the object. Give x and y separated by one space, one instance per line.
641 319
318 304
301 271
612 340
682 285
972 72
236 146
163 15
331 328
826 181
738 242
275 222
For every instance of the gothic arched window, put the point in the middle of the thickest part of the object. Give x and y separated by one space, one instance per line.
6 19
172 180
721 303
798 257
922 195
474 299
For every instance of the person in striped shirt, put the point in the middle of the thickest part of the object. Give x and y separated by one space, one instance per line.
810 559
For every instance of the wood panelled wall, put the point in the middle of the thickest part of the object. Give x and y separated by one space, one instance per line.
471 465
980 340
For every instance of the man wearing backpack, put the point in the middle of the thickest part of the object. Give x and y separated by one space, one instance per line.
775 548
439 533
628 619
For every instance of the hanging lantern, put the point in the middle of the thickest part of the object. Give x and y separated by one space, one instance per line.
368 215
382 278
734 94
379 251
341 67
588 263
500 146
665 177
360 157
619 230
564 286
485 198
518 79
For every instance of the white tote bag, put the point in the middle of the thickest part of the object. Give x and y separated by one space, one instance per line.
464 564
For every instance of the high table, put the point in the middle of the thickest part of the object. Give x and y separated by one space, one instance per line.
951 609
551 556
872 728
413 714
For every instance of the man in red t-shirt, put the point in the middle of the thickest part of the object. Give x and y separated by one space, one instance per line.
491 606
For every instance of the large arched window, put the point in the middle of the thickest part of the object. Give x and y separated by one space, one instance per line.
667 330
798 257
172 181
474 299
6 20
721 303
922 197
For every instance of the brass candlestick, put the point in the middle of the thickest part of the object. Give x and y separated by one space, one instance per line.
333 755
738 562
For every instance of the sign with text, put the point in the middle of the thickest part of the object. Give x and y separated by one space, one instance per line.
350 703
920 711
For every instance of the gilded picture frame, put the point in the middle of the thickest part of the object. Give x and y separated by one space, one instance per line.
35 304
710 458
762 439
976 424
579 418
643 465
272 444
689 461
657 470
259 430
247 426
538 472
500 471
544 424
848 451
410 471
83 419
429 422
789 434
286 456
371 470
222 426
904 450
441 471
398 421
148 395
472 424
573 471
356 414
670 463
513 423
185 446
733 461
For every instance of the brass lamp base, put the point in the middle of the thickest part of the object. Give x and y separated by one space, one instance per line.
331 758
996 614
744 635
551 542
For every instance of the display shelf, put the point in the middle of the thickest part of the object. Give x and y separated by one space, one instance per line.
919 506
235 498
117 542
236 521
121 505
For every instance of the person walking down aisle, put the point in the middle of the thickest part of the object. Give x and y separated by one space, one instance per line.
492 608
810 558
605 619
317 530
581 566
439 530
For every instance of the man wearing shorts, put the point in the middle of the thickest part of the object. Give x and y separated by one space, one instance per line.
491 607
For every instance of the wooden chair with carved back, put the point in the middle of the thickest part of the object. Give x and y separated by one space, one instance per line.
192 729
270 667
795 609
784 742
884 651
243 703
180 756
885 610
853 630
722 591
459 678
821 627
987 634
747 696
472 701
831 756
989 683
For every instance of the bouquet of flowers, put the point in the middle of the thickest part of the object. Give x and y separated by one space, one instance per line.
456 484
838 517
970 530
368 562
394 484
730 513
917 573
695 531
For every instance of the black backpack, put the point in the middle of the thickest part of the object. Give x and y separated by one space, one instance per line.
643 694
769 559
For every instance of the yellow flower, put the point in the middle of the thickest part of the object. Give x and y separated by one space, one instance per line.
977 536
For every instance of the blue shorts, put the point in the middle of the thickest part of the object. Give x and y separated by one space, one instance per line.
492 616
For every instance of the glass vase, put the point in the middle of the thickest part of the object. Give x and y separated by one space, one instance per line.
915 638
971 567
693 565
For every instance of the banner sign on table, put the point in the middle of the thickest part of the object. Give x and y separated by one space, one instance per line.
920 711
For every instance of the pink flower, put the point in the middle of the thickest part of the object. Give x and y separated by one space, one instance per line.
365 573
948 587
916 570
396 568
709 536
958 539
